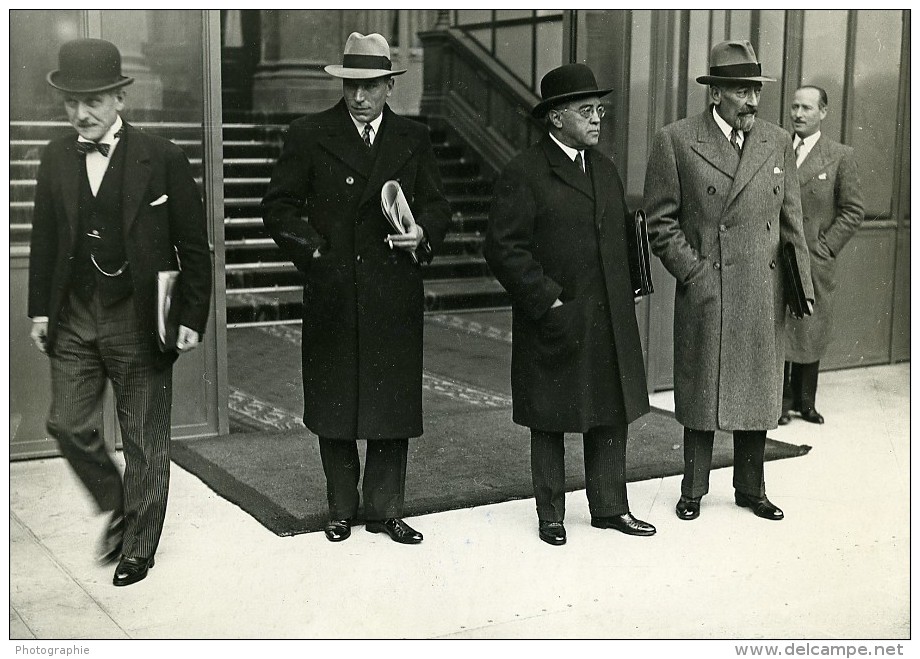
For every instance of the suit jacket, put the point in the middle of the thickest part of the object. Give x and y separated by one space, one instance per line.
717 225
363 302
556 233
832 211
156 237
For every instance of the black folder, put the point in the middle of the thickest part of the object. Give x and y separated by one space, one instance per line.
640 266
795 291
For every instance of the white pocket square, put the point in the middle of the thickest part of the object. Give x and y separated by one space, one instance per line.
822 176
162 200
777 170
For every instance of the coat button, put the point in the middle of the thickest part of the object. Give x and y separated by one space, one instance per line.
772 265
358 258
768 226
717 265
722 228
776 190
350 180
711 190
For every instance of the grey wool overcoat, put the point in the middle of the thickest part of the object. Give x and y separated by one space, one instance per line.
555 232
717 225
832 210
363 303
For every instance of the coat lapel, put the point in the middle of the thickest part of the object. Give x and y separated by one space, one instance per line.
566 169
70 188
814 162
342 141
598 187
393 150
136 175
757 148
712 146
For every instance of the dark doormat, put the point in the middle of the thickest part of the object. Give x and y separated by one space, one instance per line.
465 459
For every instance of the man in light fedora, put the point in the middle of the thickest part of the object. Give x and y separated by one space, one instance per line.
113 207
557 242
363 297
722 196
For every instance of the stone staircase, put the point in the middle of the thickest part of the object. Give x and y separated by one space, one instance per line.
261 287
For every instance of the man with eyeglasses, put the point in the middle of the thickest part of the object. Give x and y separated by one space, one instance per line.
722 197
557 242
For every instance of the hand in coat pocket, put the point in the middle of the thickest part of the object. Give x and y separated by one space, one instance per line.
559 331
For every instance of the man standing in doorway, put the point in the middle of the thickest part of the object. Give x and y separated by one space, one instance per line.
363 296
557 243
722 197
113 207
832 211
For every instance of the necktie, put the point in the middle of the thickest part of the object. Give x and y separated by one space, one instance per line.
736 141
367 135
798 152
580 162
85 147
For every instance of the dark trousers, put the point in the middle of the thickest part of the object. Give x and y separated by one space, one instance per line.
605 472
748 467
96 343
800 385
384 485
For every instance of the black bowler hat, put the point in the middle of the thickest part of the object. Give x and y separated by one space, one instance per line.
88 65
566 83
733 62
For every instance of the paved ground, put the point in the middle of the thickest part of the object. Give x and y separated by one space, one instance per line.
836 568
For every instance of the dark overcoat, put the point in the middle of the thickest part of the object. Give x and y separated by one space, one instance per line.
717 224
153 234
363 302
832 210
555 232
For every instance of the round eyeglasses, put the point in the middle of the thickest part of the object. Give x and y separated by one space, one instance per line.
587 110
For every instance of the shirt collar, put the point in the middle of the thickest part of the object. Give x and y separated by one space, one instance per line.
724 126
109 137
569 151
375 124
809 141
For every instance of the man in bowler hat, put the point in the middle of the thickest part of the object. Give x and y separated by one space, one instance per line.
363 297
722 197
113 207
557 242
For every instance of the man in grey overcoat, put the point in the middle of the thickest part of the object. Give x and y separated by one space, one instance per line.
722 196
363 296
557 242
832 210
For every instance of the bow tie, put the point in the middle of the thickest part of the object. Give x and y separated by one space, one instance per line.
85 147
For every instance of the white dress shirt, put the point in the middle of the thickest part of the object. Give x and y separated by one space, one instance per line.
807 143
375 126
569 151
726 129
96 163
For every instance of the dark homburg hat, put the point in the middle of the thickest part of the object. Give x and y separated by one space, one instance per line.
88 65
566 83
365 58
733 62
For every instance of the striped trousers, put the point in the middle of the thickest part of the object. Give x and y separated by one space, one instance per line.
96 343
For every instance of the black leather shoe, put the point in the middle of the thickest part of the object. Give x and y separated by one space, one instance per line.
337 530
812 416
687 507
110 546
552 532
397 529
760 506
131 570
784 419
625 523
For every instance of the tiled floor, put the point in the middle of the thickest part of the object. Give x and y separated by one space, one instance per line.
836 568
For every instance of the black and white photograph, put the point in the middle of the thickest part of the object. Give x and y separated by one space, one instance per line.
460 324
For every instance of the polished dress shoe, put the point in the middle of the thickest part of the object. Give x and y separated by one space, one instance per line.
397 529
110 546
688 507
784 419
812 416
131 570
760 506
337 530
552 532
624 523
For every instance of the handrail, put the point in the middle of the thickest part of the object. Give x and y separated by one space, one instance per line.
477 96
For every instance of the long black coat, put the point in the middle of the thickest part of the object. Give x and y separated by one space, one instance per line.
153 235
363 302
556 233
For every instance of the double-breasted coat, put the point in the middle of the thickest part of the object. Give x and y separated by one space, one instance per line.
832 210
555 232
154 233
717 225
363 302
